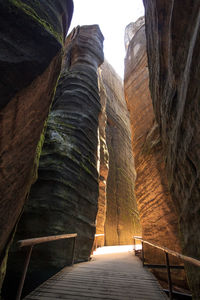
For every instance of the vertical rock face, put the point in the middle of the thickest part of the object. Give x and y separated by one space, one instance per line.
131 30
154 202
65 197
31 43
103 166
157 213
173 43
122 220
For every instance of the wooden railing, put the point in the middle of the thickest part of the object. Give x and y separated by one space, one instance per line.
30 243
167 251
95 241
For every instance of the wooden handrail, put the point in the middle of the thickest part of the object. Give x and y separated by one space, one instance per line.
191 260
167 251
30 243
35 241
95 241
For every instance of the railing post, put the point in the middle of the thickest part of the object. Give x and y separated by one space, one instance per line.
134 245
28 256
169 276
73 250
95 244
142 254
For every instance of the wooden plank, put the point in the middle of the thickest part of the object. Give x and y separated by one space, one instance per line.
117 276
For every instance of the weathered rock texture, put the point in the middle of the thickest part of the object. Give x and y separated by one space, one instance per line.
65 197
173 43
31 43
122 220
157 213
131 30
103 166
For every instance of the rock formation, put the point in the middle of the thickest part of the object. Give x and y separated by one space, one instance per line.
157 213
64 199
173 42
31 42
103 166
122 220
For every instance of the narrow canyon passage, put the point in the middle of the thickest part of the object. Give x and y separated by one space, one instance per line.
84 151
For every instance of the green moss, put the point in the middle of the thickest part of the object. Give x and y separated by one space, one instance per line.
39 150
86 169
32 13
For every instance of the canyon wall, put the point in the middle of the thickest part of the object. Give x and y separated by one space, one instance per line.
103 166
157 212
64 199
122 220
31 43
173 43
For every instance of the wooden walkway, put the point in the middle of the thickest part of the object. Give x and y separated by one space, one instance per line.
117 276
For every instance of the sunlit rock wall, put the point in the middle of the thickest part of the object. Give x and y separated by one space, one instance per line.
122 220
173 43
157 212
103 166
31 43
65 197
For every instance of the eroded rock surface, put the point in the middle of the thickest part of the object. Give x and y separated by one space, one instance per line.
103 166
122 220
157 212
31 41
173 43
65 197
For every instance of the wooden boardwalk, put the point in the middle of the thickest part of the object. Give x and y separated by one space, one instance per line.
116 276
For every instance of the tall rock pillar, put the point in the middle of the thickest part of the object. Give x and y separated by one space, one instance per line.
65 197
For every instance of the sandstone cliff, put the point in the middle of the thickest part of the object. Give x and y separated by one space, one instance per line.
103 166
31 44
157 213
173 42
122 220
65 197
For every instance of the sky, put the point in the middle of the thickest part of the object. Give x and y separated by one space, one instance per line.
112 16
